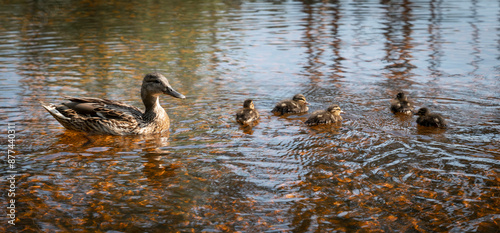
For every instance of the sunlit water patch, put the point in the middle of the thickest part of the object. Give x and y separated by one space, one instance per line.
374 171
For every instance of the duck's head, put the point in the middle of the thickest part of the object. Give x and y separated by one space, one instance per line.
401 96
155 84
334 109
300 98
422 112
248 104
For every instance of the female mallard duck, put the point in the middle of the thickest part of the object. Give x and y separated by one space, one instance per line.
328 116
425 118
400 104
248 114
102 116
296 105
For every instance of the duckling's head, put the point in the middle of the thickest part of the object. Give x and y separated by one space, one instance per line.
155 84
248 104
401 96
334 109
300 98
422 112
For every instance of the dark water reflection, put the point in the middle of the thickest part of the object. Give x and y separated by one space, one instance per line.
374 172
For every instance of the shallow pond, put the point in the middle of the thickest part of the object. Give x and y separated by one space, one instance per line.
375 172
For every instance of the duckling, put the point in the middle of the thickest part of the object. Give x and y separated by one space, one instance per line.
328 116
296 105
248 113
400 104
103 116
430 119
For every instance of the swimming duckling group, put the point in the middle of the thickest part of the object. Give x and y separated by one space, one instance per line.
298 104
103 116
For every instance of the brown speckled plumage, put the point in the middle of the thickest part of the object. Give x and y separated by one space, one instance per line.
102 116
400 104
247 114
296 105
425 118
328 116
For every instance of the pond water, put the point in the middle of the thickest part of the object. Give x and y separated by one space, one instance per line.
376 172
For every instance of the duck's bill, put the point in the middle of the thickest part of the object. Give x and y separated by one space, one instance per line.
170 91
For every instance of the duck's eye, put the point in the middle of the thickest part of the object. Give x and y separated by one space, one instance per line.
155 81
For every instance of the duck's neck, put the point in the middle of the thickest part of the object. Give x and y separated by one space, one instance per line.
153 107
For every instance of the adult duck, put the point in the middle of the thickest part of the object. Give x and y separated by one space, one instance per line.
297 104
328 116
401 105
102 116
248 113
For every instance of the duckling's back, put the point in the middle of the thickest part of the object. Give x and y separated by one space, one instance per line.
289 106
246 116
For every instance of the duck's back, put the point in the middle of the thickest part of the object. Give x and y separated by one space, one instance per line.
322 117
432 120
246 116
99 116
289 106
105 104
401 106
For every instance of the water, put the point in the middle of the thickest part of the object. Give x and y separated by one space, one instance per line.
374 172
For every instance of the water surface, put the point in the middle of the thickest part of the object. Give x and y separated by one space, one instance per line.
375 172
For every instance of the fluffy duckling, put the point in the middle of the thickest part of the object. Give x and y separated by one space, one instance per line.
400 104
426 118
247 114
296 105
328 116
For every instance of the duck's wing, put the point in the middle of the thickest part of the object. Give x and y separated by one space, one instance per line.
395 105
96 115
287 106
438 120
105 106
432 120
319 117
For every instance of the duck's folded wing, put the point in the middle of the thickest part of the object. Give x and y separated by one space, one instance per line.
287 106
104 108
95 115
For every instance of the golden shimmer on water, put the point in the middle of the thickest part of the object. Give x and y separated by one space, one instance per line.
372 172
